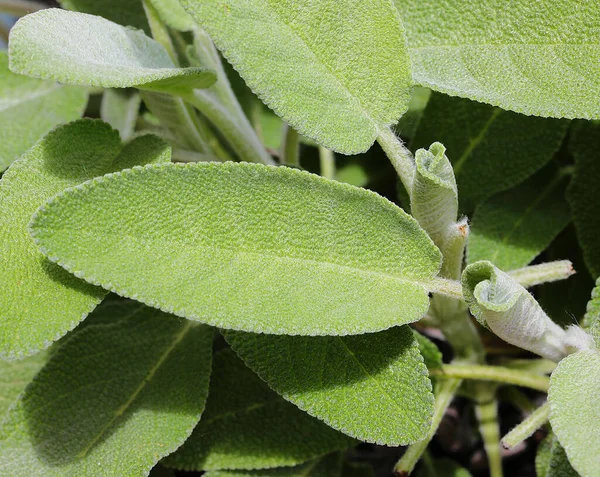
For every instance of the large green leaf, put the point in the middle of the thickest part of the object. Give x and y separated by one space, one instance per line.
41 302
336 70
373 387
29 108
551 459
239 404
15 375
574 395
124 12
328 466
491 150
112 400
120 109
173 14
77 48
540 58
246 247
584 194
514 227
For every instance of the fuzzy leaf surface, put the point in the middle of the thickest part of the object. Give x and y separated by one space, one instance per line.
123 12
120 109
583 193
537 58
336 70
15 376
574 395
239 404
112 400
77 48
246 247
514 227
41 302
592 315
491 150
173 14
328 466
373 387
29 108
551 459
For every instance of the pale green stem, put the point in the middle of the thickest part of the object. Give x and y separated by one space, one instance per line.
451 288
290 147
540 366
20 8
400 157
486 410
327 159
543 273
159 30
526 428
493 373
445 391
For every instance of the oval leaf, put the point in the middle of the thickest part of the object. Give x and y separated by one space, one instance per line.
373 387
245 247
41 302
574 395
540 58
336 70
112 400
77 48
239 403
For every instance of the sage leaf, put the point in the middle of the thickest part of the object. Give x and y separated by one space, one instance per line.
514 227
583 193
337 71
573 396
328 466
112 400
29 108
124 12
372 387
246 247
239 404
77 48
120 109
551 459
41 302
173 14
491 150
539 58
592 315
15 375
432 356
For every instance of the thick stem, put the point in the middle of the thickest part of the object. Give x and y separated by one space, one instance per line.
327 159
543 273
486 409
290 147
445 391
526 429
493 373
400 157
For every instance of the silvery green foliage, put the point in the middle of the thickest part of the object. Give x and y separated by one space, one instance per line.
505 307
30 108
573 396
111 401
41 302
364 268
77 48
537 58
339 100
120 109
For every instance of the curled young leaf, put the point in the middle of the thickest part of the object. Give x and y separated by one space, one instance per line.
504 306
246 247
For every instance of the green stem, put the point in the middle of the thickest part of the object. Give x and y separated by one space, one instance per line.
517 398
327 158
539 366
493 373
486 409
400 157
159 30
20 8
445 391
290 147
526 428
450 288
543 273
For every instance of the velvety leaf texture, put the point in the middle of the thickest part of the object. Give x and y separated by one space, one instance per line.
173 14
14 376
584 194
551 459
373 387
124 12
592 315
41 302
574 395
491 150
328 466
78 48
430 352
337 88
246 247
514 227
29 108
540 58
246 425
120 108
112 400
